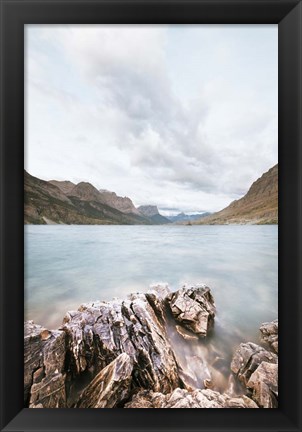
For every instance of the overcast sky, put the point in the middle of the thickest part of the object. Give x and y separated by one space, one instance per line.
180 116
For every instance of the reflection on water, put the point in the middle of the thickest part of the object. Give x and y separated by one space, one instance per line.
68 265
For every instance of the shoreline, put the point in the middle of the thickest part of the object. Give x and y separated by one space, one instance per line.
119 354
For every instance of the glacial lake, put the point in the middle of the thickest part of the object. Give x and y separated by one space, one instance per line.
66 266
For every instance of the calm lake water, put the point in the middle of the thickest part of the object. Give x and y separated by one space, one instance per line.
68 265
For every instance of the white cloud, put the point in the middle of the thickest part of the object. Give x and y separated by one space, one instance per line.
184 117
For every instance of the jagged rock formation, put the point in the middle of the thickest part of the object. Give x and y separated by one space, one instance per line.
181 398
248 357
99 332
257 368
110 387
269 334
258 206
194 308
44 362
264 383
121 351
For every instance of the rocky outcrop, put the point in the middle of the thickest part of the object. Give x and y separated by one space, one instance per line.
269 334
264 384
99 332
247 358
44 362
181 398
258 206
193 308
118 354
257 368
111 387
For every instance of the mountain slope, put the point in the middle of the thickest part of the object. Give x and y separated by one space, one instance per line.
46 203
258 206
123 204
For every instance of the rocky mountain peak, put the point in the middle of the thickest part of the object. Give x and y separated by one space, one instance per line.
85 191
148 210
123 204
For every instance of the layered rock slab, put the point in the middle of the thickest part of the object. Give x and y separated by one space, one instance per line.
193 308
110 387
99 332
44 361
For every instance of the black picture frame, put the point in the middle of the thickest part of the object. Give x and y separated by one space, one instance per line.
14 14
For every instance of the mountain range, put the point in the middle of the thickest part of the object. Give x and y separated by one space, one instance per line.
64 202
183 217
258 206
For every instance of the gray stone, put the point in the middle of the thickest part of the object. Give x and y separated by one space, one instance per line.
194 308
247 358
99 332
181 398
264 383
44 361
269 334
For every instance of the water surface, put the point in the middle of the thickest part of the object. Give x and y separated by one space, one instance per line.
68 265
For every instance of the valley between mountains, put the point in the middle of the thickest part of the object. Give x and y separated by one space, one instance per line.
63 202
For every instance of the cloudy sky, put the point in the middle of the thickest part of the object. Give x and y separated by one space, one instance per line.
183 117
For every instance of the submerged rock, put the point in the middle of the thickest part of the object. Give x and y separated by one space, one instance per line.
248 357
110 387
184 333
44 361
269 334
194 308
181 398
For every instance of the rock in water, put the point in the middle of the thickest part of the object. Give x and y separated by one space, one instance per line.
44 358
193 308
269 334
99 332
110 387
247 358
264 383
181 398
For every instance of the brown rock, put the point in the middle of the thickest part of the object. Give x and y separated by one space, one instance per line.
181 398
269 334
193 308
44 359
99 332
264 383
247 358
110 387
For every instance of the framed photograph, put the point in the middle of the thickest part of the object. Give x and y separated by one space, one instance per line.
151 215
